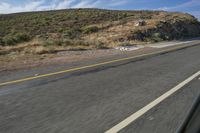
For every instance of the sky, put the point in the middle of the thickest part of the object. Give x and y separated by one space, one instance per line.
187 6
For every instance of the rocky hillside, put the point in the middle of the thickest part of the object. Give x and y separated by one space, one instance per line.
92 28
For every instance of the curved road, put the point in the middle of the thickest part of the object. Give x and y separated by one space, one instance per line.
94 100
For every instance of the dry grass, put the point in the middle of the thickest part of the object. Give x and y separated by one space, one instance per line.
93 29
118 33
38 47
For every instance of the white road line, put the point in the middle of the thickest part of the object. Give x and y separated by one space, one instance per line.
163 45
146 108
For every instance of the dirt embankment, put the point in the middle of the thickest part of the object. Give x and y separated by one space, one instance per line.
41 35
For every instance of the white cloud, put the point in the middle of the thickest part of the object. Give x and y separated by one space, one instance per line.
65 4
100 3
196 14
39 5
191 7
9 8
190 4
84 4
114 3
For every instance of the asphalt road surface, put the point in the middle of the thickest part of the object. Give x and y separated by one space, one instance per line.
94 100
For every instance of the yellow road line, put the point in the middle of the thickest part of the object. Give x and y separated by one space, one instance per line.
89 66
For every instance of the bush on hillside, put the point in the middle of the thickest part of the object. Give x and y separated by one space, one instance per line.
12 39
90 29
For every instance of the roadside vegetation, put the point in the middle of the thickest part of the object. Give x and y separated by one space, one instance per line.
81 29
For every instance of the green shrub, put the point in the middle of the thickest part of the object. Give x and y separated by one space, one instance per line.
9 40
58 42
21 37
55 42
156 37
48 42
75 42
97 45
71 33
1 42
67 33
67 42
12 39
61 30
90 29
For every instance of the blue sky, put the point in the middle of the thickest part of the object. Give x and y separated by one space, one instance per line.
188 6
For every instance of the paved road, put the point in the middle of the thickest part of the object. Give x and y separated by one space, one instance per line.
96 99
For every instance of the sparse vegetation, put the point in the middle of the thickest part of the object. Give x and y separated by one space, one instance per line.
90 29
14 38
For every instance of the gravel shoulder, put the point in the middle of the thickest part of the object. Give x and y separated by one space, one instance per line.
24 62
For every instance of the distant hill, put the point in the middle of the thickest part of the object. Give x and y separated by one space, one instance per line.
95 28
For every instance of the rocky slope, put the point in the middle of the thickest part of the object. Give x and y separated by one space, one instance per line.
75 29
